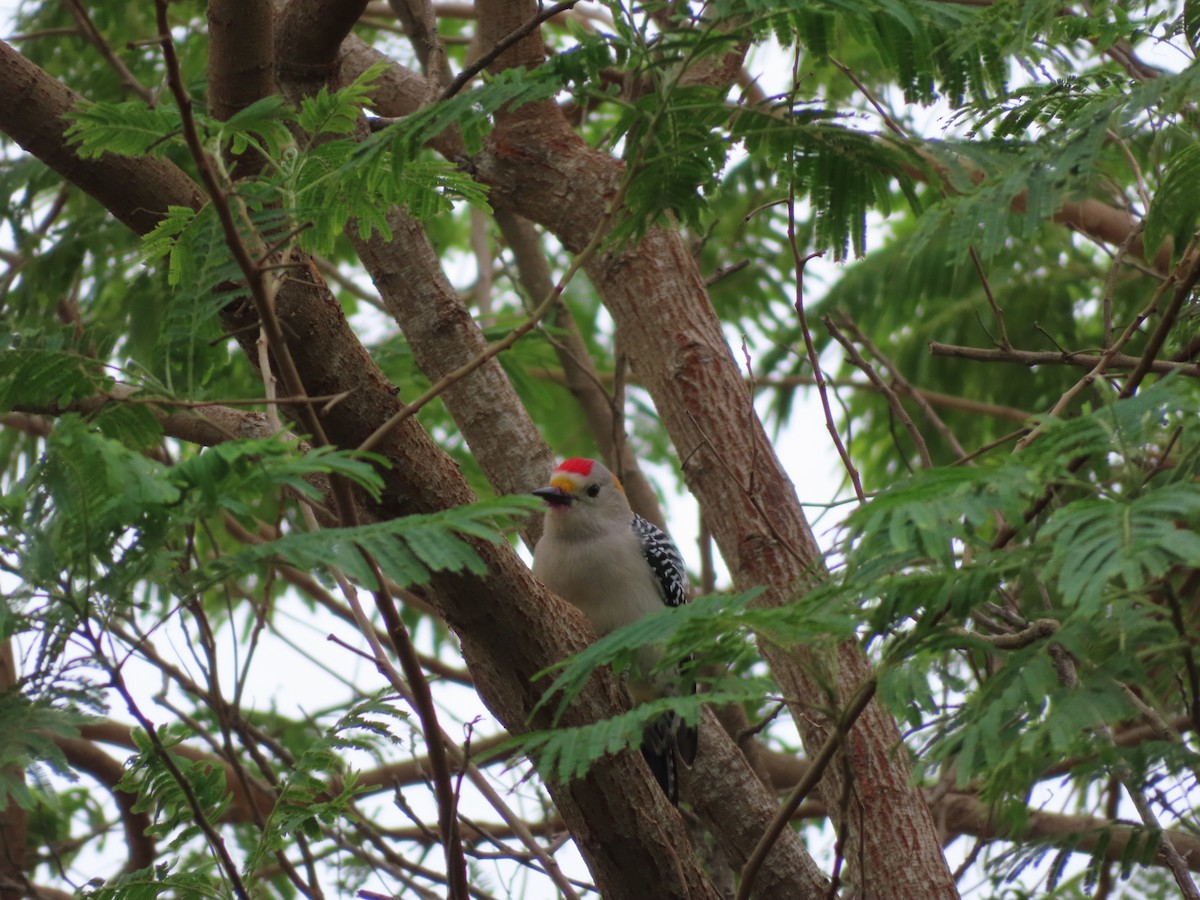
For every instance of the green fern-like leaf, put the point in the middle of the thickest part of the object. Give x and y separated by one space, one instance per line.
216 478
403 141
160 242
564 754
305 801
1174 213
681 631
131 424
36 378
408 550
263 124
844 172
1097 542
160 793
27 732
199 880
337 112
680 149
130 128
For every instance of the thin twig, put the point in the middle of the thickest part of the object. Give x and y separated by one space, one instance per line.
515 822
1139 179
262 295
1189 266
616 403
891 123
1110 281
884 388
969 860
798 263
997 313
539 312
1035 631
904 387
935 398
269 381
1065 667
1176 863
410 688
818 376
332 273
899 131
422 700
1081 359
522 31
456 755
215 842
493 350
1189 657
816 769
96 39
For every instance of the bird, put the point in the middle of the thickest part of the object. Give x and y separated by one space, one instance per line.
599 555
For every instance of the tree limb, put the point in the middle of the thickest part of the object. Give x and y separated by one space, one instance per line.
1080 360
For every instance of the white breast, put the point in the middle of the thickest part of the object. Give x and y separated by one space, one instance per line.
603 573
604 576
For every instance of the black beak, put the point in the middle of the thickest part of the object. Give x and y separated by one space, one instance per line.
554 496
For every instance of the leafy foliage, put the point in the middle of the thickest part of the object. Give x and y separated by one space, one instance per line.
1171 216
707 642
304 804
129 128
406 550
707 630
200 793
1095 570
28 734
45 378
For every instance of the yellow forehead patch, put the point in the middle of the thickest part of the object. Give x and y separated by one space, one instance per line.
563 483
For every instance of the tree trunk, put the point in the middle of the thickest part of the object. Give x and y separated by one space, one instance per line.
658 300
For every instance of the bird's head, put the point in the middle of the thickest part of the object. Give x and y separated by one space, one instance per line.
583 495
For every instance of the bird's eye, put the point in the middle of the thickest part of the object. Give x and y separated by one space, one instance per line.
593 490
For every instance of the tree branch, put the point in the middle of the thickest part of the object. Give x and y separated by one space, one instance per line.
497 48
422 700
1080 359
889 395
581 377
445 338
136 191
93 36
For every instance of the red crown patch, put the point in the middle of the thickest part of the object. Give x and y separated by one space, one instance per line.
577 465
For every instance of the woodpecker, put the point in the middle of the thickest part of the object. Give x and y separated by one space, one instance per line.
616 567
